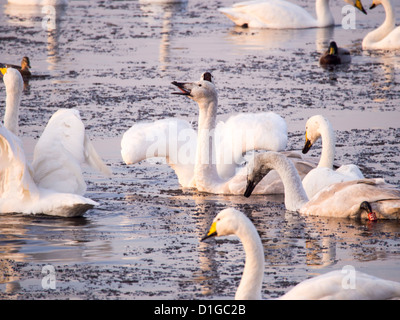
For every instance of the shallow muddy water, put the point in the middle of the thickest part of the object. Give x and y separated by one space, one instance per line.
115 61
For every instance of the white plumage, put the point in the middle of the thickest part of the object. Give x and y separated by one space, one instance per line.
319 127
386 36
327 286
281 14
54 184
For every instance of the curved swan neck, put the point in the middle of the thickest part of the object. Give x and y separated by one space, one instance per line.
324 14
328 145
387 26
295 195
253 273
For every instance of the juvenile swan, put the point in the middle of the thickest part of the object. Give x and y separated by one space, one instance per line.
319 127
341 200
280 14
327 286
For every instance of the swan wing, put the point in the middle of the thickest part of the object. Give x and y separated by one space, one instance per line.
173 139
246 132
342 285
275 14
60 152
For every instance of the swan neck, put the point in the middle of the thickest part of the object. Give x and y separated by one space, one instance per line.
253 272
384 29
205 169
324 14
328 146
295 195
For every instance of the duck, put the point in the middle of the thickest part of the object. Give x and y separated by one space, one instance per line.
335 56
53 183
340 200
24 68
188 151
324 175
326 286
386 36
281 14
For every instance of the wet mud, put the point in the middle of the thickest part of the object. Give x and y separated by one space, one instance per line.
115 62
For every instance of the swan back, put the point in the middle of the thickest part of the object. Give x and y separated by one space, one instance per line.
14 86
233 222
333 286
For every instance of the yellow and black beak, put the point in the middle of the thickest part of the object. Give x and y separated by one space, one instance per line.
212 232
360 7
307 145
3 70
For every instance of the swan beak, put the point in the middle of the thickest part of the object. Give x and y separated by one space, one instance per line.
373 5
249 188
212 232
181 86
360 7
3 70
307 145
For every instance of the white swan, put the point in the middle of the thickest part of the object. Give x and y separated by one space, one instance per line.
319 127
342 200
208 159
54 184
327 286
281 14
387 36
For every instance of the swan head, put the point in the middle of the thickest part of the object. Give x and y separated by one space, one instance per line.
313 130
366 206
226 223
202 91
206 76
357 4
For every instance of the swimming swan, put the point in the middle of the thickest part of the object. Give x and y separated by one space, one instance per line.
55 182
206 177
335 56
280 14
176 140
387 36
342 200
319 127
327 286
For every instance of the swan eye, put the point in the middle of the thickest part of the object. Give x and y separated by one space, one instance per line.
199 85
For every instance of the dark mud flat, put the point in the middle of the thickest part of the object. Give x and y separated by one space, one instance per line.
115 62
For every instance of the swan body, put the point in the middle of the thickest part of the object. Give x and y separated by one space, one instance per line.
342 200
227 141
335 56
53 184
319 127
20 194
281 14
386 36
327 286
